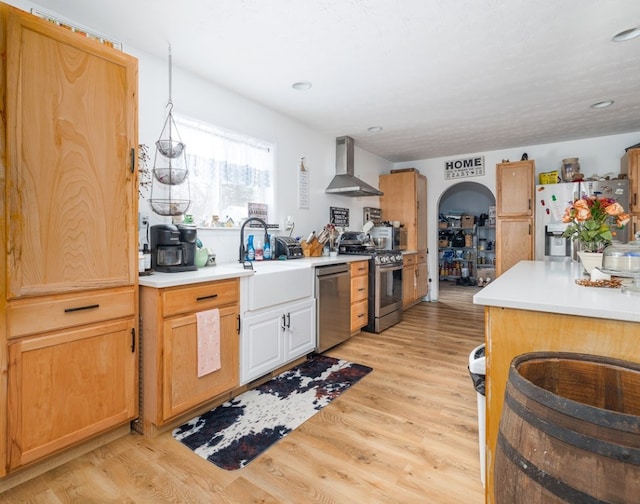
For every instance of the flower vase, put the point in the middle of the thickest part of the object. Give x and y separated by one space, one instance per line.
590 260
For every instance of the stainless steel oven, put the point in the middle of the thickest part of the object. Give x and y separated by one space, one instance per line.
385 281
385 291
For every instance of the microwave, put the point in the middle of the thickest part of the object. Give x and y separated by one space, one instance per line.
395 237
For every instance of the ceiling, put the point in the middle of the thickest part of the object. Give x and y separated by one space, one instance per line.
441 77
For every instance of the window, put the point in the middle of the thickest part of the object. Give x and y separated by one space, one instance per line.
226 172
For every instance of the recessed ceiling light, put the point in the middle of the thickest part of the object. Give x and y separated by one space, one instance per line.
629 34
301 86
602 104
374 129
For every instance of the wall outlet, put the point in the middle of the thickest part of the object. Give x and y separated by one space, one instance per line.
288 223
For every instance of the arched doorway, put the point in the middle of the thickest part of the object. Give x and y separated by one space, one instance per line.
466 235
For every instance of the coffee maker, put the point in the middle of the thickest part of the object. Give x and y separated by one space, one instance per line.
173 248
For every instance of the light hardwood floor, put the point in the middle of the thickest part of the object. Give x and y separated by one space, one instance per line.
406 433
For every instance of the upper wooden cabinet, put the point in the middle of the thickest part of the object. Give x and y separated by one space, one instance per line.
515 183
515 189
405 200
71 186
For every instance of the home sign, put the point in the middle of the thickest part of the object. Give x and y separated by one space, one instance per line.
463 168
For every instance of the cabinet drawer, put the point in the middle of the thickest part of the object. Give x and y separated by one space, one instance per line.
359 288
421 257
409 259
359 268
50 313
359 314
200 297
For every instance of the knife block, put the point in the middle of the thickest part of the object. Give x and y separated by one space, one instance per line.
313 249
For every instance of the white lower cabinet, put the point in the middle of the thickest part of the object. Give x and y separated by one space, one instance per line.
273 337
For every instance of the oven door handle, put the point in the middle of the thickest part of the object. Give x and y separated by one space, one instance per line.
390 267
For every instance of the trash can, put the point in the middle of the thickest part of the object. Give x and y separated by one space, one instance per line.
478 371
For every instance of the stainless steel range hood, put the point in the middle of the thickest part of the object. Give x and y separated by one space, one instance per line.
345 183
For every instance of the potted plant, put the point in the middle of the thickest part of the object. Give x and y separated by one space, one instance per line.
591 219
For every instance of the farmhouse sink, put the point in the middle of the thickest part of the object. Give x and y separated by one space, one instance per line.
276 282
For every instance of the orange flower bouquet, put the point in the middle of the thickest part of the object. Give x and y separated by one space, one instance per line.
592 219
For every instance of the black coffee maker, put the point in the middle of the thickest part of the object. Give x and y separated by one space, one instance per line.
173 248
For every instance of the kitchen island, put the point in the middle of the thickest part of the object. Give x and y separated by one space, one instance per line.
537 306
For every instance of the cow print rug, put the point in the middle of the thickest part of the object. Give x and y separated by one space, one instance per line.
236 432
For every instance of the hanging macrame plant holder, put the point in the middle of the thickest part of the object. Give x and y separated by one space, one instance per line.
170 194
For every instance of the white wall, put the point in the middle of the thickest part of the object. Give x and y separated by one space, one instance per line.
195 97
600 156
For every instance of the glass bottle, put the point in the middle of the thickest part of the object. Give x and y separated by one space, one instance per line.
251 251
267 249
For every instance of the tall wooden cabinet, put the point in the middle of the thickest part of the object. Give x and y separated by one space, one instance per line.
633 165
515 186
68 333
405 200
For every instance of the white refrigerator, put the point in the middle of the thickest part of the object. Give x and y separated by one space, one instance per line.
551 202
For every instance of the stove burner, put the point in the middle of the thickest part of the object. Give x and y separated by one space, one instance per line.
357 249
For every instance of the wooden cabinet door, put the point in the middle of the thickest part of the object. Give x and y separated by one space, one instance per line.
182 387
399 201
633 159
359 302
300 334
422 280
67 386
421 213
408 285
359 295
71 188
262 344
515 242
515 188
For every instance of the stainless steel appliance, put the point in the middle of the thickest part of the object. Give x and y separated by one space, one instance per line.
173 248
551 202
333 298
345 183
395 238
288 247
385 281
385 290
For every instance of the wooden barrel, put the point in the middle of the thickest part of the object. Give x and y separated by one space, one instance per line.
569 431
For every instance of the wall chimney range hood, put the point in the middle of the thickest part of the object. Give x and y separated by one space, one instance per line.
345 183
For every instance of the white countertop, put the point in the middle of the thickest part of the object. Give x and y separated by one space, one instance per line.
234 270
550 287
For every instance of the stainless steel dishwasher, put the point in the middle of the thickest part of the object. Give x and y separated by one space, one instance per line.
333 298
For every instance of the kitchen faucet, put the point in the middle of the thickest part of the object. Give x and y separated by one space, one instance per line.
266 235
